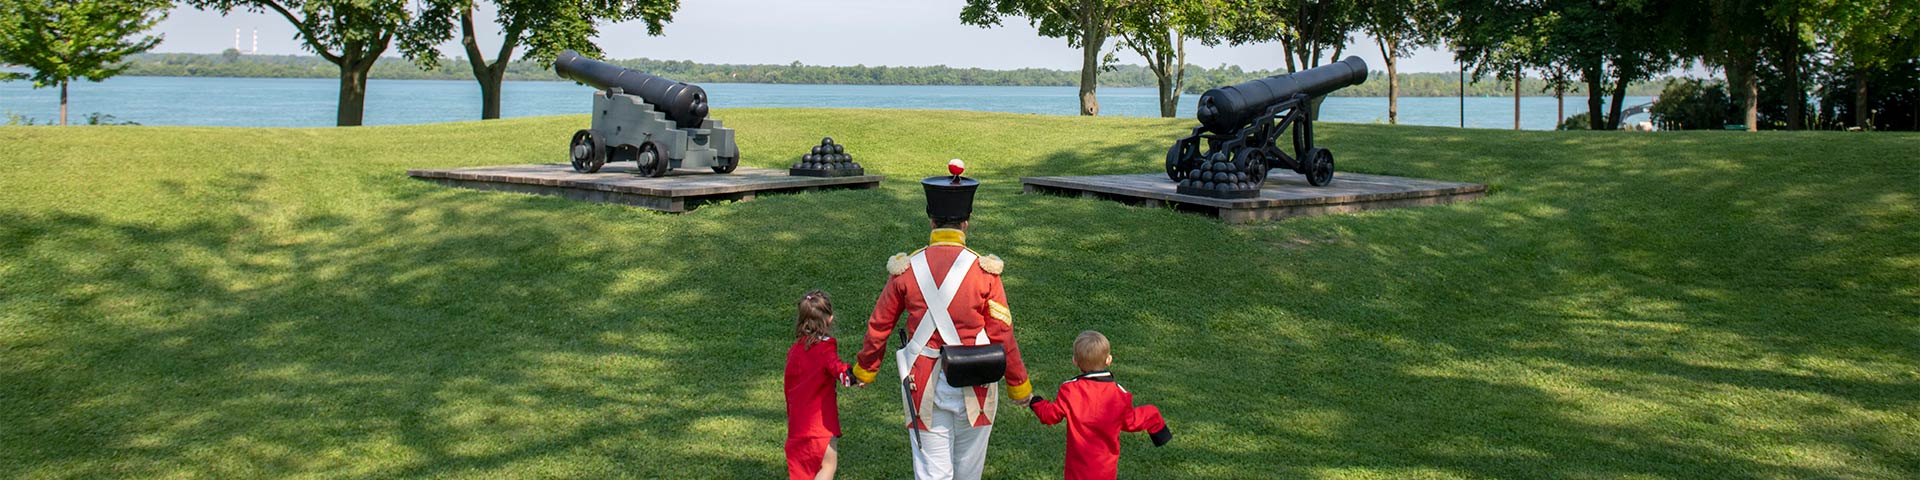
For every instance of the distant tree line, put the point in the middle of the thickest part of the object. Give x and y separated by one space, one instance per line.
1780 55
1199 79
1789 64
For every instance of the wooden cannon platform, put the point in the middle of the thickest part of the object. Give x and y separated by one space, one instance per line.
1285 194
677 192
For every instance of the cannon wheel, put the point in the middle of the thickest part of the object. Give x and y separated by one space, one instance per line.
1176 160
1320 168
1243 157
727 165
587 152
656 165
1257 166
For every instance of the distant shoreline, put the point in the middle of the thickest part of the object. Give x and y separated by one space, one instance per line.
1199 79
1570 99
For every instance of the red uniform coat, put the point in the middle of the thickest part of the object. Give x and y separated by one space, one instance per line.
813 409
980 306
1096 411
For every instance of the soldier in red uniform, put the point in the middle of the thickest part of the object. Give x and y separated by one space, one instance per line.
1096 411
961 341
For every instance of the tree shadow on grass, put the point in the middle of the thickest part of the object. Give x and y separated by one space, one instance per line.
447 336
1527 334
1612 315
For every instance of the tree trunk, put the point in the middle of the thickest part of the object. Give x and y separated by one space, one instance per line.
490 94
1595 118
1860 116
353 91
1166 93
1387 49
1796 95
1286 50
1089 79
1093 37
1393 91
1310 52
63 102
1741 72
1165 73
491 75
1179 73
1560 99
1516 98
1619 98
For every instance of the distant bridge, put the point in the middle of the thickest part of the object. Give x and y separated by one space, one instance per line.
1636 109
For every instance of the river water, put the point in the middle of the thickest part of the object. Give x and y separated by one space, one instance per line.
303 102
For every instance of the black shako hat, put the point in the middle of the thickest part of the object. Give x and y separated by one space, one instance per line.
950 197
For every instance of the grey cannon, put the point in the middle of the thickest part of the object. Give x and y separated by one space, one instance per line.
1241 127
657 123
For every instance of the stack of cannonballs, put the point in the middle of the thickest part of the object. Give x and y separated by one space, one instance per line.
827 159
1220 177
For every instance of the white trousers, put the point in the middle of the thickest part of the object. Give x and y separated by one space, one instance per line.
950 448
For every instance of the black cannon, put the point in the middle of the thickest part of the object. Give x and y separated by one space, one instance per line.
684 103
657 123
1242 125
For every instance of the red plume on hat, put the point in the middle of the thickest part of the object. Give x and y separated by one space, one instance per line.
951 197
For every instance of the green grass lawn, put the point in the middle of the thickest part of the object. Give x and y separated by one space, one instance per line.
231 303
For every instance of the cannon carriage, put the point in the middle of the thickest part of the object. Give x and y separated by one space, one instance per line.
657 123
1237 143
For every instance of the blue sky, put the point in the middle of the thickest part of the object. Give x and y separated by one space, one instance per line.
816 32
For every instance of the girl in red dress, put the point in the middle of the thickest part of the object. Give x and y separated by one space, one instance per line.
813 412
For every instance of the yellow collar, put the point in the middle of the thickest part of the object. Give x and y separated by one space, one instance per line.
948 236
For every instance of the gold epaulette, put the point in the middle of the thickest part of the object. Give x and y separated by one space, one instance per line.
992 264
897 264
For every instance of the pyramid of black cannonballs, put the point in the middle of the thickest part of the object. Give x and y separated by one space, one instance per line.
827 159
1219 177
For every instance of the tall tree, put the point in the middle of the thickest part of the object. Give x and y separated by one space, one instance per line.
1788 49
1649 38
1305 29
1559 79
1398 27
1158 30
1866 35
1085 24
351 34
63 40
543 27
1621 41
1732 38
1502 39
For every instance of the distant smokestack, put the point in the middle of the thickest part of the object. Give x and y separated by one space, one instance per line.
236 39
256 41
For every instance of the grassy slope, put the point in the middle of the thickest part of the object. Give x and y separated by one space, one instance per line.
201 302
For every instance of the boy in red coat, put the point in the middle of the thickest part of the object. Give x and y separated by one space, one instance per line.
813 414
1096 411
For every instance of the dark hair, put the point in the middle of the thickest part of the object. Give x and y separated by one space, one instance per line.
815 308
948 222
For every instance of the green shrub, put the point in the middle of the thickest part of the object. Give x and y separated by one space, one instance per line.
1692 104
1577 122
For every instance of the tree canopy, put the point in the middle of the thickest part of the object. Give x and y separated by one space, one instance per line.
352 34
70 39
1084 24
543 27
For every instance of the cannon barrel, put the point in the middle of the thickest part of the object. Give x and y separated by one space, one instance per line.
1226 109
683 103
